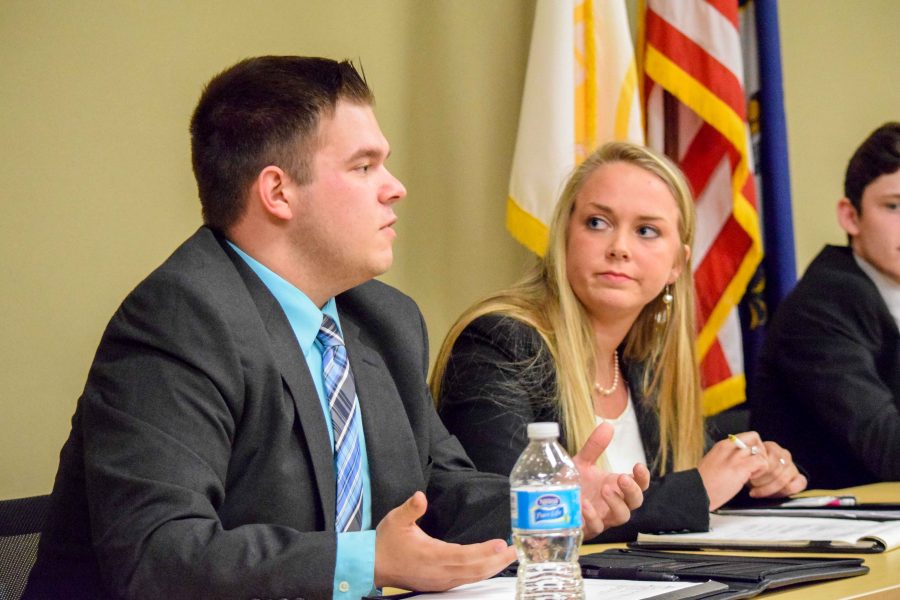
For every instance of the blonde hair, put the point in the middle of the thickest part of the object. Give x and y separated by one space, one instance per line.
544 300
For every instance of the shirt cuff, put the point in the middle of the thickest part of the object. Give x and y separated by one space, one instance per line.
354 569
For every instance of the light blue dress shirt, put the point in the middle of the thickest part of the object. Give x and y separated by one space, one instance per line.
354 570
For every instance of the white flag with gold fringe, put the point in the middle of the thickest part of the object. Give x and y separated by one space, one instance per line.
581 90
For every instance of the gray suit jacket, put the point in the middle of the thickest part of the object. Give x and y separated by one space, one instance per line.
199 463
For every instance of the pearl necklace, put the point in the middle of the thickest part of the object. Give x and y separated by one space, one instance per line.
615 384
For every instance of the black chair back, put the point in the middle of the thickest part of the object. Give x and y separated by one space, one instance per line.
21 520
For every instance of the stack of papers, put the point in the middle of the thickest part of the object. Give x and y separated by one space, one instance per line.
783 533
504 588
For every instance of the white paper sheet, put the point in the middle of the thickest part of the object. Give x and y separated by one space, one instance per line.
504 588
733 528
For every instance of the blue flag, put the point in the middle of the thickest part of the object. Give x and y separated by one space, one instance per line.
778 223
777 273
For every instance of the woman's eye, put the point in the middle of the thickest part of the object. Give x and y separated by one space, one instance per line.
363 169
597 223
646 231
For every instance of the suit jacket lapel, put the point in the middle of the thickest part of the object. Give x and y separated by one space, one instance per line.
296 377
390 444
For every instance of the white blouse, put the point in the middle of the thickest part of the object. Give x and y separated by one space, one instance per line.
626 447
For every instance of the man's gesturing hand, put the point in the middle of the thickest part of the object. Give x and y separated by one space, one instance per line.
408 558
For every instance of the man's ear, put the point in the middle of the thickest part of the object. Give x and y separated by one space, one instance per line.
848 217
680 264
271 191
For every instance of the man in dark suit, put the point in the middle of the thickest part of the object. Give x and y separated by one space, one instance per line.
256 422
828 382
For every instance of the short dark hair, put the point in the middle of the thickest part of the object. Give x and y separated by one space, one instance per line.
878 155
263 111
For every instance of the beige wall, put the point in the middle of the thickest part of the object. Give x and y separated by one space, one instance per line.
95 98
840 62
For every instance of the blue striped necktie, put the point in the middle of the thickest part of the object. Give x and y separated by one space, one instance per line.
344 406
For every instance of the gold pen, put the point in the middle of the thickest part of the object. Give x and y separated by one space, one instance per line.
737 441
740 444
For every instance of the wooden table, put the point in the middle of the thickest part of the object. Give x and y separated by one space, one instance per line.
881 583
883 580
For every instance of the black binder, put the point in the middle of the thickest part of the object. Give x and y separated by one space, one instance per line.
745 576
722 577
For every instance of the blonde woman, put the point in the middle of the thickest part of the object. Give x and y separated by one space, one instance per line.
602 329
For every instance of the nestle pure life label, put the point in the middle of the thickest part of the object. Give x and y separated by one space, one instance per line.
545 509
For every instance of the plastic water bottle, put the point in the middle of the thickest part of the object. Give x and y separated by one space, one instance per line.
545 503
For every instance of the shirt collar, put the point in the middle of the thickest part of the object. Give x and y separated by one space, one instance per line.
889 290
303 315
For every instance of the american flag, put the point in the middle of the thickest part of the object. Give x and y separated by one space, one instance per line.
696 113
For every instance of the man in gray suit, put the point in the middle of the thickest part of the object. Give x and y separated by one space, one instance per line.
256 422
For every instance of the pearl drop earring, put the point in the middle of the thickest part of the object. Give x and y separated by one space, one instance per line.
662 317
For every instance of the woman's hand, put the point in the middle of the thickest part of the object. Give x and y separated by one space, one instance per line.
782 478
607 499
728 466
